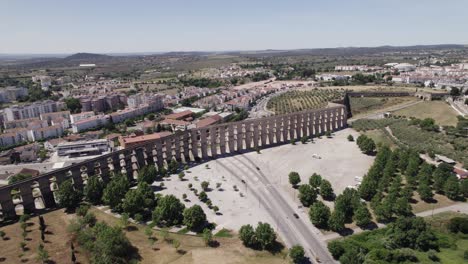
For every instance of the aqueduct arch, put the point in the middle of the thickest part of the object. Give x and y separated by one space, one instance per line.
191 145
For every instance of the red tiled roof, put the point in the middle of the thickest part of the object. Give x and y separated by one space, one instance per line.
208 121
27 171
180 115
138 139
460 172
174 122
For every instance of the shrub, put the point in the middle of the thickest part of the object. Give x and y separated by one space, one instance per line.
458 224
336 249
432 255
297 254
194 218
294 178
82 210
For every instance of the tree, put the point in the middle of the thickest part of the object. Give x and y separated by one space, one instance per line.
347 202
454 91
368 187
89 219
207 237
464 188
294 178
350 138
82 210
247 235
368 146
440 176
383 211
169 211
42 254
2 234
205 185
106 244
93 190
319 215
336 248
402 207
132 203
176 244
365 144
194 218
181 175
203 196
172 167
326 190
265 235
18 177
307 195
73 104
297 254
151 117
67 196
315 180
337 221
428 124
425 192
411 232
147 174
115 191
362 216
138 200
452 188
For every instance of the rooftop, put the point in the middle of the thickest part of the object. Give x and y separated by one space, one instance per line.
138 139
180 115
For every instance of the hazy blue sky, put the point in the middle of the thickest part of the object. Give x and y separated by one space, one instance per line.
66 26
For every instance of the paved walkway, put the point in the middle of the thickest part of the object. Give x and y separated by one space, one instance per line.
459 207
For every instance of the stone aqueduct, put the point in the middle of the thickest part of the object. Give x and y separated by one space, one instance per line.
191 145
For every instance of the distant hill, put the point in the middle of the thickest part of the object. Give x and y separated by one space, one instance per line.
87 57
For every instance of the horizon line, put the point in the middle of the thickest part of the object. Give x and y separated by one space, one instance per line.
227 50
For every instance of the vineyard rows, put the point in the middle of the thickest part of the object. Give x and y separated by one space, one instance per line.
294 101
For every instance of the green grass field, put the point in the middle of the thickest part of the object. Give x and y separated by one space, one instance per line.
363 105
451 246
380 137
440 111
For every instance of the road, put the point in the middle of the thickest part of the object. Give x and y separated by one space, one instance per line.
260 110
293 230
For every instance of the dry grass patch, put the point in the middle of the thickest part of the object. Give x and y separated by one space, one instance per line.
421 206
440 111
56 241
192 248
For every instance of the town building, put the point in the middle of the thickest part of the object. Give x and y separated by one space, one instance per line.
180 115
12 93
91 122
83 148
81 116
50 116
32 110
31 123
130 141
45 132
208 121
